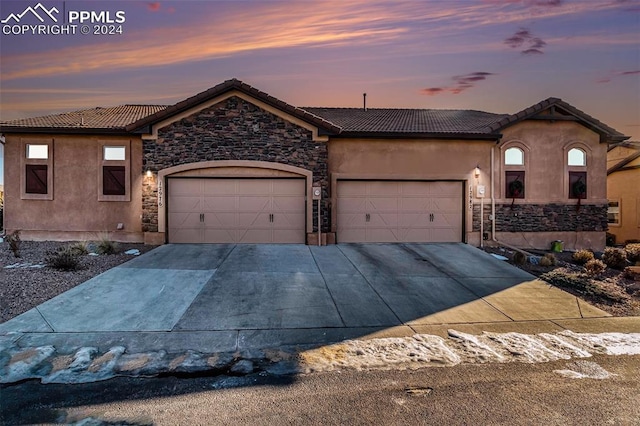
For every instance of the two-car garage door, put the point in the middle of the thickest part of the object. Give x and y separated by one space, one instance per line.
223 210
399 211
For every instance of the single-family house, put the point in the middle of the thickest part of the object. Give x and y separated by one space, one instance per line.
235 165
623 191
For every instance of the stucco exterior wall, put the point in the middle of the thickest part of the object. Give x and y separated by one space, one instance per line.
624 187
74 211
232 130
547 213
412 159
546 146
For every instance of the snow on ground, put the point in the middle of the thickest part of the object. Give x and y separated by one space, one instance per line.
423 350
88 364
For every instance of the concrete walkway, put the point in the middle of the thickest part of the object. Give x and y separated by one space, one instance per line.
224 298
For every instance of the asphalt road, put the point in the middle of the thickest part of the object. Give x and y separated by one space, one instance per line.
503 394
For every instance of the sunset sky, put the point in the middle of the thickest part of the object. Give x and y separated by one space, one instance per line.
492 55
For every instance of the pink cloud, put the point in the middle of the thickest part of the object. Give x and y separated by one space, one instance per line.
615 74
525 38
462 83
153 7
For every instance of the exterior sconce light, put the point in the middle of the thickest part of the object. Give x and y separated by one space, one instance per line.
476 172
149 173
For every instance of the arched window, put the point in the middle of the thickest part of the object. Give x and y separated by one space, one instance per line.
577 157
514 157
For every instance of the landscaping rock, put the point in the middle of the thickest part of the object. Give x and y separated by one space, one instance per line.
242 367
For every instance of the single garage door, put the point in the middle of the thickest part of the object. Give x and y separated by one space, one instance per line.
212 210
399 211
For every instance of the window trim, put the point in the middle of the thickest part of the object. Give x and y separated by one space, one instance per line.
514 168
583 153
514 164
24 161
127 169
567 168
619 222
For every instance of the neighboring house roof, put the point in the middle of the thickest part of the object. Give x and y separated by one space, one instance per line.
87 120
560 111
375 122
412 121
222 88
622 165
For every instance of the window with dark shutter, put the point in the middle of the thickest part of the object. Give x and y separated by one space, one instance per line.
36 179
113 180
514 184
578 185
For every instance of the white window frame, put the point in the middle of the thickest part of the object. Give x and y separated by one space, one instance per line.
514 148
584 157
103 145
24 161
619 212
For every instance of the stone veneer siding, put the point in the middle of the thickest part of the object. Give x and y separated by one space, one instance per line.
233 129
544 217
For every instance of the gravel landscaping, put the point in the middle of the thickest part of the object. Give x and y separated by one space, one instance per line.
610 290
23 288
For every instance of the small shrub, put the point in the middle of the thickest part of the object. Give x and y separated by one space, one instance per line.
14 242
595 267
582 256
615 258
550 259
80 248
519 258
583 284
106 246
64 259
631 274
633 252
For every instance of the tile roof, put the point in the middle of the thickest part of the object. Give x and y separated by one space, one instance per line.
112 118
417 121
633 145
380 122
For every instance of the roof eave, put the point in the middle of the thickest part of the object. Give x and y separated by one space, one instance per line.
421 135
65 130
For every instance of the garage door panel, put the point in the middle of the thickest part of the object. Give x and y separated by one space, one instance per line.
381 189
413 220
186 235
288 204
219 203
253 186
382 204
220 236
253 220
444 235
415 189
415 235
184 220
287 221
382 235
383 219
216 187
414 204
253 203
220 220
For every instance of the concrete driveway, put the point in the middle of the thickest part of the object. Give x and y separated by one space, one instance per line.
254 295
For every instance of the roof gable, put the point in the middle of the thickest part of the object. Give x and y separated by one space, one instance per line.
625 163
220 92
555 109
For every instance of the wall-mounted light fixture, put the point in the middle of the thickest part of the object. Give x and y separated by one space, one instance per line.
476 172
149 173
